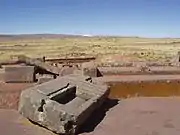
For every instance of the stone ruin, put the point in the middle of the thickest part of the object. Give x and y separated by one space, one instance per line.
62 105
62 98
26 69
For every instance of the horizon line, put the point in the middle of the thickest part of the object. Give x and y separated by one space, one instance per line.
86 35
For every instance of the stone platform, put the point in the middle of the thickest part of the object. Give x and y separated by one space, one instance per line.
141 116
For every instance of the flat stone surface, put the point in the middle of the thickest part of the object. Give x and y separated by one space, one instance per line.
142 116
66 70
44 79
134 116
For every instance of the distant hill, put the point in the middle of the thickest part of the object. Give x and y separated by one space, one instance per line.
56 36
35 36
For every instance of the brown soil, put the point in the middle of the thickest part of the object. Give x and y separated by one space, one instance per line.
144 89
9 94
12 123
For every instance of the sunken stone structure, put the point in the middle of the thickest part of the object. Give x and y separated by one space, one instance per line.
63 104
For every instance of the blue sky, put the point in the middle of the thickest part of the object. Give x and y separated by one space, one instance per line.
147 18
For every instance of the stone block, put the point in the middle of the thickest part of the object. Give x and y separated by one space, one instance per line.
66 70
1 74
39 63
89 69
42 78
62 105
19 73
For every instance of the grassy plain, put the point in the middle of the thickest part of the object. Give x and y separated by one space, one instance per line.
100 47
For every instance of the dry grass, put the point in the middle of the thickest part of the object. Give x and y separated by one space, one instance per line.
140 48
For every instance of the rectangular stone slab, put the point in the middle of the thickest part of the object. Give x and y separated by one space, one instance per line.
62 105
18 73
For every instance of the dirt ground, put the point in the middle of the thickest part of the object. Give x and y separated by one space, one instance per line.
12 123
9 94
141 116
133 116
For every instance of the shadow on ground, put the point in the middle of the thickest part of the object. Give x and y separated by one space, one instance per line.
97 116
99 74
